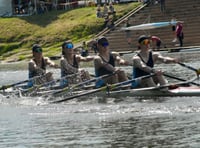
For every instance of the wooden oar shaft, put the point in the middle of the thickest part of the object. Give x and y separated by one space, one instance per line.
187 66
180 79
18 83
12 85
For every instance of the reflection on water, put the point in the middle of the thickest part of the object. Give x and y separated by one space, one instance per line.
106 122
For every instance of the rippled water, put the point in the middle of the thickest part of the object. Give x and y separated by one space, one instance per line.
109 122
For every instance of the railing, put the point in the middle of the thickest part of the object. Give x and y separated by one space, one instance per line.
121 20
116 23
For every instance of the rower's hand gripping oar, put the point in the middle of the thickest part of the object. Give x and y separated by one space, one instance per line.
191 68
104 88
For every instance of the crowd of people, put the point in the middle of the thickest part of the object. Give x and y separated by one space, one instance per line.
107 13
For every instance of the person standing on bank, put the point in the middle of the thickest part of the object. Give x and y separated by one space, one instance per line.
174 28
37 67
70 65
128 32
143 64
104 63
155 42
179 33
162 6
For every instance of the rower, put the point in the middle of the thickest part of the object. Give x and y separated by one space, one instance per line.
104 63
143 64
70 65
37 67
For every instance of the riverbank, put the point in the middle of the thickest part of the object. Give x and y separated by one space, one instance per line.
17 34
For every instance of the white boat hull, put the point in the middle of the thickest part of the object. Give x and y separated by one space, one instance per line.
149 26
152 92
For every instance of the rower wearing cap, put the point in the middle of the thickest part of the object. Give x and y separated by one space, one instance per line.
37 67
143 64
104 63
70 65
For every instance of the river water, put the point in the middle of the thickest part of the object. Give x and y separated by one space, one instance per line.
93 123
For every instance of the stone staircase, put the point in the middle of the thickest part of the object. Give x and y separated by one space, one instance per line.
183 10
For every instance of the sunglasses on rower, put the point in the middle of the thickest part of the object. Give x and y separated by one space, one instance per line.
38 50
105 44
146 42
69 46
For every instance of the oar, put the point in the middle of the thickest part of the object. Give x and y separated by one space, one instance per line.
180 79
168 85
191 68
18 83
82 83
104 88
49 83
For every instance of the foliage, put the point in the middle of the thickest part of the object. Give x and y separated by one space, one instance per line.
51 29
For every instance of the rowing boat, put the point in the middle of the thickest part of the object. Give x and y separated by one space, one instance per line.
149 26
183 89
156 92
122 92
121 89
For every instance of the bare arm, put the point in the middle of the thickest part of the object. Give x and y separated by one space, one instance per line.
84 59
120 60
50 63
159 57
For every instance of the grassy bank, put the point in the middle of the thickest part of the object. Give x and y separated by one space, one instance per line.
17 34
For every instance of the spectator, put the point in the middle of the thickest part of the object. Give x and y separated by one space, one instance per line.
111 10
155 42
110 23
128 32
84 52
98 12
162 6
174 29
179 33
105 10
94 46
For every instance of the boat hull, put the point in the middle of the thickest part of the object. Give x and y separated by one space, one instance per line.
149 26
154 92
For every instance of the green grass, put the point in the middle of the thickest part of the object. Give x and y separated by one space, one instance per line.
18 34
